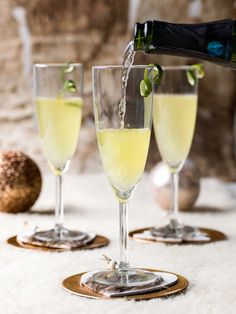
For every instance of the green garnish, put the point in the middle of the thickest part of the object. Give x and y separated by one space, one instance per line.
67 68
145 87
151 78
196 71
68 84
156 75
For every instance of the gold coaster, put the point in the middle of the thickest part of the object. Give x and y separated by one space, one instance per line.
214 236
72 284
99 241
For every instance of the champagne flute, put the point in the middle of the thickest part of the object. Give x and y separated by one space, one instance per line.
58 105
123 146
174 117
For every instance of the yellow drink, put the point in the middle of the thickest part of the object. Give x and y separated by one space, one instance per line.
124 154
174 118
59 121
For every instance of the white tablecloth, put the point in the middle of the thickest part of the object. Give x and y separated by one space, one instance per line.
30 281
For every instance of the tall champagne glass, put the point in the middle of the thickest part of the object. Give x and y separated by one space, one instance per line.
174 117
58 105
123 148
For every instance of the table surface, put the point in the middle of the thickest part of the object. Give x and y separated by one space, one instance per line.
30 281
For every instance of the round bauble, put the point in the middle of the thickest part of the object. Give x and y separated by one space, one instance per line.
20 182
189 185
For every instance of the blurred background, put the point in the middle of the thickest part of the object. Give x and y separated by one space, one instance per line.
96 32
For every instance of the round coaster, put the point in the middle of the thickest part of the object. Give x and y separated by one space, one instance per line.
73 285
214 236
98 242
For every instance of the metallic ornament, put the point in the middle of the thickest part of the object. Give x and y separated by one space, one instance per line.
189 185
20 182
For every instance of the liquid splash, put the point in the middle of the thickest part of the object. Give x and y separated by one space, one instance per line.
128 60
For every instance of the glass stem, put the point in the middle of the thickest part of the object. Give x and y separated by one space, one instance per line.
124 264
174 196
59 203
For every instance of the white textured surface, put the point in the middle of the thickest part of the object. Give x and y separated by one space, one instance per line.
30 281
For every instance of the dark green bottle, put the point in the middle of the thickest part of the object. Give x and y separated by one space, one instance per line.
212 41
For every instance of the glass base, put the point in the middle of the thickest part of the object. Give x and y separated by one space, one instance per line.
124 278
60 234
176 230
173 230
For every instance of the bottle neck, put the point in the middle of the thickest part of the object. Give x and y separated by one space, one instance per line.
233 56
143 36
212 41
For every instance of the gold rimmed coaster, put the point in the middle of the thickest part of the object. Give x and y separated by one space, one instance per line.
214 235
98 242
73 285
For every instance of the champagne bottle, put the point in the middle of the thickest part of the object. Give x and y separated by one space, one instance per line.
212 41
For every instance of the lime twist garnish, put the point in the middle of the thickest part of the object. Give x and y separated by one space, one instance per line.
150 78
68 84
195 72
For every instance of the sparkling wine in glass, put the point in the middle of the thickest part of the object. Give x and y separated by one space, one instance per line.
123 135
58 105
174 118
